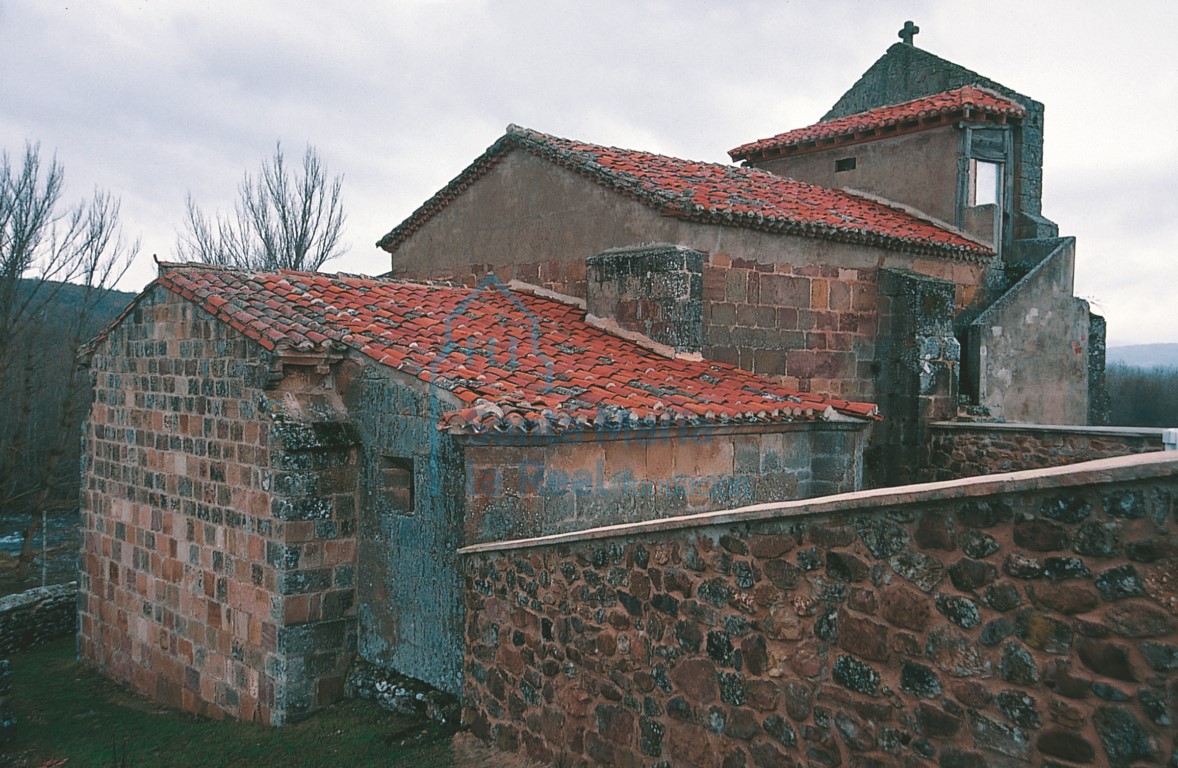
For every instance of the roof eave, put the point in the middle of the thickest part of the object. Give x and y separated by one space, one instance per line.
822 232
805 146
517 437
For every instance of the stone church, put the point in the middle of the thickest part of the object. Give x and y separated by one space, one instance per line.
280 468
894 252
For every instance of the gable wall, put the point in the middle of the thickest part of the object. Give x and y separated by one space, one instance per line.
218 531
919 169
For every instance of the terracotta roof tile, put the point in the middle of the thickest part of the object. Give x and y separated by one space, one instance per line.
715 194
968 101
515 360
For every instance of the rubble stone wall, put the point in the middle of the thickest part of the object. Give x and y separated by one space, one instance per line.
36 616
962 449
1026 620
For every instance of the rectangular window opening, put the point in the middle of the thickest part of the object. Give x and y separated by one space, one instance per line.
845 164
396 481
985 182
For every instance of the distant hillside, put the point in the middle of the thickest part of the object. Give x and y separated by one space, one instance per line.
42 397
1145 355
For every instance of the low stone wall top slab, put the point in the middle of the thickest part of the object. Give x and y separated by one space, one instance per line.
1119 469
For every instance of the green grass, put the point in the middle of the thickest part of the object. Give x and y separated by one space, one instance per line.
67 712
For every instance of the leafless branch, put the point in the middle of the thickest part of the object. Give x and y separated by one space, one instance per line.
48 253
282 220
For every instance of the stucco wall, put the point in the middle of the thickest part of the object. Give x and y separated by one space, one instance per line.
1029 351
218 522
919 170
530 220
1016 620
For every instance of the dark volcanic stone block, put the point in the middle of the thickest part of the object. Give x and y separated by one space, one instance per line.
1002 597
976 544
883 539
1068 599
1097 539
1124 739
996 631
1119 583
955 654
919 680
1066 745
845 567
936 723
1017 666
983 514
1137 620
924 571
1067 509
968 575
1063 568
960 610
1020 566
992 735
1160 656
1020 708
1042 632
853 674
1108 659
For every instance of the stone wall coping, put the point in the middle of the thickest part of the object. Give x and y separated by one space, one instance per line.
1115 470
36 595
1066 246
1079 429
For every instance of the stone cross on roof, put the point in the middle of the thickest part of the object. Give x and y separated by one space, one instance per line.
909 31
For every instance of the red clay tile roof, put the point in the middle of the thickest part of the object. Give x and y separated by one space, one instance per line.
517 361
714 194
969 102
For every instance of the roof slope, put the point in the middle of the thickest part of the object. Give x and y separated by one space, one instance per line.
713 193
519 361
966 102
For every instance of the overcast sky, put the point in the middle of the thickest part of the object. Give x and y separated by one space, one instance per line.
151 100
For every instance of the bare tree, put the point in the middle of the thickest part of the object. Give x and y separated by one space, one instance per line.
48 251
282 220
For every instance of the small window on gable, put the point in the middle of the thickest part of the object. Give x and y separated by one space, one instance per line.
396 483
845 164
985 186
